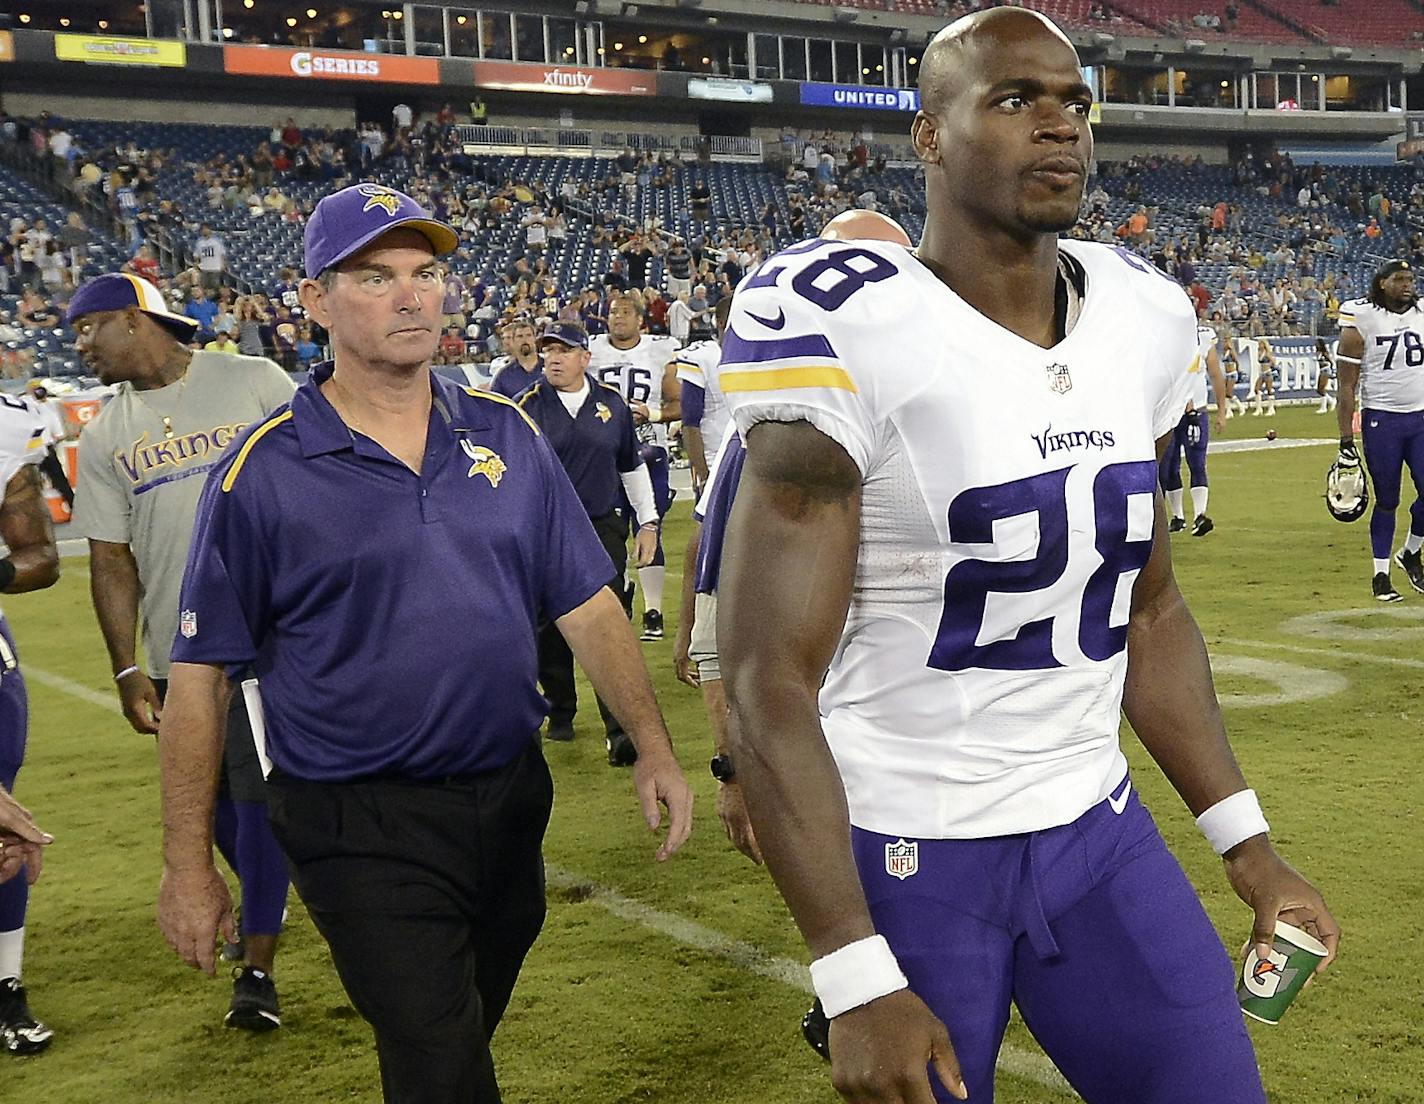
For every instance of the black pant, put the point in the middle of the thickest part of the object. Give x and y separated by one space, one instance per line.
556 660
53 469
429 896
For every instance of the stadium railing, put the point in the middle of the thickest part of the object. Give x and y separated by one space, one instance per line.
588 143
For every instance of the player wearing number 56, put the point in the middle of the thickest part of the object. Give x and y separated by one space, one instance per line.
936 603
1382 348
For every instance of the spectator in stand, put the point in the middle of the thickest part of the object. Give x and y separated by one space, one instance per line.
638 254
679 318
34 311
677 266
203 311
402 117
211 255
222 343
655 309
252 322
144 264
451 349
453 307
307 350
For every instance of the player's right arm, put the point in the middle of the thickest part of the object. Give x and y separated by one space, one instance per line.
1348 355
114 588
779 621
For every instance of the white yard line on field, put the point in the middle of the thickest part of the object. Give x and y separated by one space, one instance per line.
1018 1063
1326 653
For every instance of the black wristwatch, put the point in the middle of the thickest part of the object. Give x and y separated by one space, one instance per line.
722 768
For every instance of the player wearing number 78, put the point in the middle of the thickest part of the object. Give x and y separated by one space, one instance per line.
936 605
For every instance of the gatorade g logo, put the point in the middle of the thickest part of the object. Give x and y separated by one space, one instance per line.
307 64
1265 978
377 196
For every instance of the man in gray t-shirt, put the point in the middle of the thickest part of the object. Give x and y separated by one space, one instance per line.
143 463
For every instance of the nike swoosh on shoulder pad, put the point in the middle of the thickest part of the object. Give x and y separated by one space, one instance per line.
770 323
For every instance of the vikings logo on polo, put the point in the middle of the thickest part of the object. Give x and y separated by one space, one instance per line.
1059 381
902 859
377 196
486 463
602 413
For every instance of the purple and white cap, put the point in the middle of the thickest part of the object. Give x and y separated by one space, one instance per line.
117 290
347 221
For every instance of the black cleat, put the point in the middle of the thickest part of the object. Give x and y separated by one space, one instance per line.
20 1032
1176 525
560 733
254 1001
816 1030
1384 589
652 625
1202 526
1413 564
621 752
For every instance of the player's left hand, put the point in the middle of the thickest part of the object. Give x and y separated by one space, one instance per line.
641 414
645 545
1220 419
659 781
1276 891
682 663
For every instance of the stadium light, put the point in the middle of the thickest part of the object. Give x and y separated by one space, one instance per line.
291 21
311 13
395 14
880 68
24 17
914 61
248 4
642 40
600 51
227 32
460 19
865 72
64 20
103 24
568 50
618 46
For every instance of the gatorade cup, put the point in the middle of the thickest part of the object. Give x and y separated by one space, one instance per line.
1267 987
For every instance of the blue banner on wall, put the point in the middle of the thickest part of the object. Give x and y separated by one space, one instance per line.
859 96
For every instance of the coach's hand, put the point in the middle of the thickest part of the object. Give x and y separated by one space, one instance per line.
1276 891
194 907
659 781
139 697
645 544
732 812
17 854
879 1053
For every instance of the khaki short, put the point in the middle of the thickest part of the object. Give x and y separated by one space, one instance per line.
702 649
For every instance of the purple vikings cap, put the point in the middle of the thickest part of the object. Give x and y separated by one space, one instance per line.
566 333
347 221
118 290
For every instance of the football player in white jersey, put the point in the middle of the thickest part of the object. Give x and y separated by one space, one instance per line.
641 366
1191 437
31 563
1382 348
702 405
935 607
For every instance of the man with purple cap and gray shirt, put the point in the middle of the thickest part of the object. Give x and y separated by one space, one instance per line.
367 550
141 465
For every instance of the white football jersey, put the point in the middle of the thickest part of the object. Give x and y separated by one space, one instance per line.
22 436
1007 509
1392 366
1200 379
697 364
637 373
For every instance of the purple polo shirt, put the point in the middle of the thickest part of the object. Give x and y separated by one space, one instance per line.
390 617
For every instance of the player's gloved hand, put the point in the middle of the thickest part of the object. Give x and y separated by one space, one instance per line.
879 1052
1349 457
139 698
1276 891
732 812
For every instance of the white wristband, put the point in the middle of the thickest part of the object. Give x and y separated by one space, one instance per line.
1231 820
857 974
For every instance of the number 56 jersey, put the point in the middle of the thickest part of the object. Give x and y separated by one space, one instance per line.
1007 510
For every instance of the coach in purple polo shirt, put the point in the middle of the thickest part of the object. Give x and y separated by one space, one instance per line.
381 552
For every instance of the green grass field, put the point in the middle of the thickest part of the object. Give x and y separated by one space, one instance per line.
629 994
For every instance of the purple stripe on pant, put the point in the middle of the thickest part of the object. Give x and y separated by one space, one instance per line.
14 726
1094 932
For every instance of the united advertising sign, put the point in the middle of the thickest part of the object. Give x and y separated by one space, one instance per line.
859 96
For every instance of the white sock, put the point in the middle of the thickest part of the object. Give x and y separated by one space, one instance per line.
1199 500
1174 502
1271 410
1414 542
1382 567
12 951
651 580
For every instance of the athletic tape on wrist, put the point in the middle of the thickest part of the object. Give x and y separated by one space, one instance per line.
857 974
1231 820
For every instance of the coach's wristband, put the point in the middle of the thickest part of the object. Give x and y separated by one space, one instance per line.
1231 820
7 573
857 974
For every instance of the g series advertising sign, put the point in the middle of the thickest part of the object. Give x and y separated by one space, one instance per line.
859 96
518 76
270 61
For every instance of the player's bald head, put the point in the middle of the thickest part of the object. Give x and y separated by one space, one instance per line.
951 60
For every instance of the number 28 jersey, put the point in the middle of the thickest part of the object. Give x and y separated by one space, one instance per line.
1006 511
1392 366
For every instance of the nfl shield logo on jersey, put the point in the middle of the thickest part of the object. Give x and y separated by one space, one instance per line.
1059 381
188 624
902 859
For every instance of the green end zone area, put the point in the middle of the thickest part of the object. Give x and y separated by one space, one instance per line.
674 983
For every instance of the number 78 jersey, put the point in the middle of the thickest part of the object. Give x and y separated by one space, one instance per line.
1007 510
1392 366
